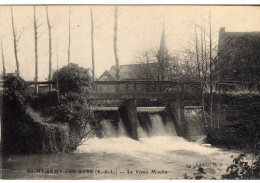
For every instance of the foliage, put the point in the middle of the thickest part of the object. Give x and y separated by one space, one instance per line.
241 169
74 106
23 130
71 78
14 92
74 109
238 123
43 102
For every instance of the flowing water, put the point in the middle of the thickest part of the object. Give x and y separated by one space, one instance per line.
159 154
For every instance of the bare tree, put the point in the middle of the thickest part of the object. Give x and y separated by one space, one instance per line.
146 69
3 58
35 48
152 66
115 43
57 57
16 42
92 44
210 72
50 47
69 39
199 67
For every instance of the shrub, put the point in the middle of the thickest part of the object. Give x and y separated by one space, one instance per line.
241 169
73 106
14 92
71 79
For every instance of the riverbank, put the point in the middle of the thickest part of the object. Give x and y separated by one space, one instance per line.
29 130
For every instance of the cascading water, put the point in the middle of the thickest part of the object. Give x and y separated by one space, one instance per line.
157 128
159 154
110 130
158 148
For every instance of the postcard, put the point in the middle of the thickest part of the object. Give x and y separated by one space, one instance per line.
130 92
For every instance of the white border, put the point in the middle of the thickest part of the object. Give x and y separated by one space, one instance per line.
137 2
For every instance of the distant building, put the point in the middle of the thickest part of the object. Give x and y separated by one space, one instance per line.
129 72
238 56
142 71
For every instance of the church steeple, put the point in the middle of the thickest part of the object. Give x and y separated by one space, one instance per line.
163 49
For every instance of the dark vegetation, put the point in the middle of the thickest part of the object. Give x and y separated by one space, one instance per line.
235 126
52 122
239 169
236 122
23 130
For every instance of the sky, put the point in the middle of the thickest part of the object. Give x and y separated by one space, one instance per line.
139 29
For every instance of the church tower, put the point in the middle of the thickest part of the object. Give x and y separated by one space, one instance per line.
162 58
162 52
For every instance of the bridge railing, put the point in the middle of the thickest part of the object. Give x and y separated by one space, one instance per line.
144 87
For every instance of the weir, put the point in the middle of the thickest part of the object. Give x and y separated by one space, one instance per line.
136 122
155 127
171 95
151 124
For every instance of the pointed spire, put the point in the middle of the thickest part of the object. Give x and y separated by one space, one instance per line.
163 49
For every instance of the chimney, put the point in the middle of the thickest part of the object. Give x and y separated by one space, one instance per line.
222 30
221 37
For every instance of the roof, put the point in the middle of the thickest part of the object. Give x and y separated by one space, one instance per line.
127 72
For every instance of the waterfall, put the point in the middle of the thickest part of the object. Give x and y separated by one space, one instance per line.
121 131
161 129
108 129
157 128
193 117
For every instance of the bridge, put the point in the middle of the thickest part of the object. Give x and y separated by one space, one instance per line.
128 92
138 89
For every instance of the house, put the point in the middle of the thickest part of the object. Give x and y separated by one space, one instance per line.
238 56
130 72
142 71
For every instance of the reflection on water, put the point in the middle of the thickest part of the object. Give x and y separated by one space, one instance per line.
159 150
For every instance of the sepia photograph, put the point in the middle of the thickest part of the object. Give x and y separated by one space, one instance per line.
130 92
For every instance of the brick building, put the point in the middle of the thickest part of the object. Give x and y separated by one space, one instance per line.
238 56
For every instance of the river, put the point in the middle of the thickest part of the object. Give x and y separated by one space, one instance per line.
159 154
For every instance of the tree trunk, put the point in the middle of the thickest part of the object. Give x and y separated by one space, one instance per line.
92 45
57 57
210 73
199 73
69 41
15 44
203 77
115 44
35 50
3 58
50 48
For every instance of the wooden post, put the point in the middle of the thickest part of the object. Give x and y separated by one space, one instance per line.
175 109
128 112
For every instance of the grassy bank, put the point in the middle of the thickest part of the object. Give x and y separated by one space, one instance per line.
48 123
